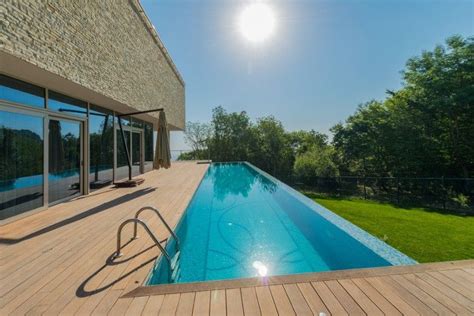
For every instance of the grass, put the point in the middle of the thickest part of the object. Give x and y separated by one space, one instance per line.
426 235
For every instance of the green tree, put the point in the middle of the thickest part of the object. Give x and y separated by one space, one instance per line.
231 136
316 162
302 141
424 129
272 151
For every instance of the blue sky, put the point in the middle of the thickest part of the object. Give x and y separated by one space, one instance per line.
324 59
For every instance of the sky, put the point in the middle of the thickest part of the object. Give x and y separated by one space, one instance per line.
323 59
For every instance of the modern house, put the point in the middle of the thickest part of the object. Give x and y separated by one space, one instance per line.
67 71
226 238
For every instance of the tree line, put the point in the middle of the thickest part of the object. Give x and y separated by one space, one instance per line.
424 129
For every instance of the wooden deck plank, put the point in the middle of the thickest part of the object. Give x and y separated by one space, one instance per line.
105 305
136 306
281 300
186 304
218 303
421 295
396 291
437 295
358 295
385 306
202 303
447 290
452 284
249 301
169 306
312 298
265 301
459 277
297 300
469 270
331 302
121 306
153 304
234 302
350 305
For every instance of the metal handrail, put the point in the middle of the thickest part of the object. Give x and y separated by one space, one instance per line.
162 220
137 221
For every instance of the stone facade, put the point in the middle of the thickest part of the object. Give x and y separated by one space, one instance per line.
107 46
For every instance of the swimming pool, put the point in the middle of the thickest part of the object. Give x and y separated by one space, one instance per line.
243 222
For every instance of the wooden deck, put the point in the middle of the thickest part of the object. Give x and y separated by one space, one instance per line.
57 262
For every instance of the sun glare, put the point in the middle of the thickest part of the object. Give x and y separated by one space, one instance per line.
257 22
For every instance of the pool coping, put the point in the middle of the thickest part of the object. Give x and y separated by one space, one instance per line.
293 278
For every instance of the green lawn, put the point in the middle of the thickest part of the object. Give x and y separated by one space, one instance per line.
423 234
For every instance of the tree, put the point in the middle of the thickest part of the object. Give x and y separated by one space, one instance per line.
272 152
424 129
302 141
197 135
316 162
231 136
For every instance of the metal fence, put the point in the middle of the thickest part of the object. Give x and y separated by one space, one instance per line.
451 194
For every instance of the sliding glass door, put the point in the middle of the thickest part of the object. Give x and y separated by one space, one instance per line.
134 140
65 159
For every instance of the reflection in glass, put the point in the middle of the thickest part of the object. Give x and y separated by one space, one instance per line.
135 154
66 105
122 164
137 123
21 92
64 159
148 135
21 163
101 138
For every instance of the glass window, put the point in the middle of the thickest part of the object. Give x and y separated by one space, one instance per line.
21 163
17 91
66 105
101 139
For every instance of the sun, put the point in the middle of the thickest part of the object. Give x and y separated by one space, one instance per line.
257 22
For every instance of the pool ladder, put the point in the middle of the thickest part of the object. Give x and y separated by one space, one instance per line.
172 261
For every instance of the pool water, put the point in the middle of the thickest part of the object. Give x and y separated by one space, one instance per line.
242 223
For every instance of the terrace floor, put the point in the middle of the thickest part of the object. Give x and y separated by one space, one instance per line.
57 262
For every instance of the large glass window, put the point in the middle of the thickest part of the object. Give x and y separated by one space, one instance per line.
67 105
21 163
17 91
101 140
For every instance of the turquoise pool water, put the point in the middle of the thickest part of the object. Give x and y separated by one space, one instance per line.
242 223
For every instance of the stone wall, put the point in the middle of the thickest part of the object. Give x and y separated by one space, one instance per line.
107 46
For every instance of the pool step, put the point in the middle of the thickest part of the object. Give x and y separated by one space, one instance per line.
174 266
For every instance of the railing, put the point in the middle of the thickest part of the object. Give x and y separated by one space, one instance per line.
162 220
145 226
451 194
